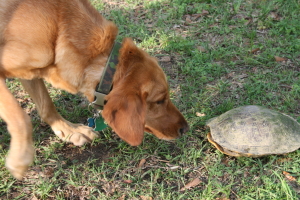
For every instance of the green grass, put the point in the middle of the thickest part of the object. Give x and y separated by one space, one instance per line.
212 70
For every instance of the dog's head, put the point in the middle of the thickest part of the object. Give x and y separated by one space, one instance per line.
139 100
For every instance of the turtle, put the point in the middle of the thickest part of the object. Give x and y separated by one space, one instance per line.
254 131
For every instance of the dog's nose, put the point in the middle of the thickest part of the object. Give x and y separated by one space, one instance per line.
184 129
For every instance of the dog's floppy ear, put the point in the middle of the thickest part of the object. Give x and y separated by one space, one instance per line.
128 55
125 114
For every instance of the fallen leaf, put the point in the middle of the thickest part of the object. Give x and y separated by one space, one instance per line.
288 176
188 19
235 58
239 16
230 75
218 62
149 25
174 167
238 83
275 16
225 162
34 198
282 160
127 181
254 69
279 59
200 114
246 173
27 190
249 21
165 59
201 49
146 198
191 184
142 162
109 188
196 16
242 76
204 12
214 25
255 50
286 86
201 129
232 26
48 172
122 197
43 124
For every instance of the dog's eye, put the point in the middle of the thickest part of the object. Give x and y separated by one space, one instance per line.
160 102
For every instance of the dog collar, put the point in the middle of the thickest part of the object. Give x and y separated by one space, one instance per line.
106 80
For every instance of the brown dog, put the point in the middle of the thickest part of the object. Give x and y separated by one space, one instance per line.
67 43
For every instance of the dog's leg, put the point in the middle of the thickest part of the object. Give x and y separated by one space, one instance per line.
76 133
21 151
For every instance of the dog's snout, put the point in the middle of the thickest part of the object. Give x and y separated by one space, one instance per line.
184 128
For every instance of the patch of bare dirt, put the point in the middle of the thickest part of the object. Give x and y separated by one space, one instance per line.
80 155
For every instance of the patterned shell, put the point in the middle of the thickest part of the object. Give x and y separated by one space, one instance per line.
254 131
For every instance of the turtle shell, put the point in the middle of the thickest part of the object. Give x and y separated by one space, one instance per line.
254 131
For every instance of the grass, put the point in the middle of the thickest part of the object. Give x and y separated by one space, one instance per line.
220 55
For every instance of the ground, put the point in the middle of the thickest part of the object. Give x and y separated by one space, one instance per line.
217 55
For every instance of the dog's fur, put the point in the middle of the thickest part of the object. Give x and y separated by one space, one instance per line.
67 43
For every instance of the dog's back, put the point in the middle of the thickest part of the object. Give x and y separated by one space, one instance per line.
6 10
27 32
31 29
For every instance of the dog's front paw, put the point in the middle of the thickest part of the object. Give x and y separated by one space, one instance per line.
77 134
19 159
